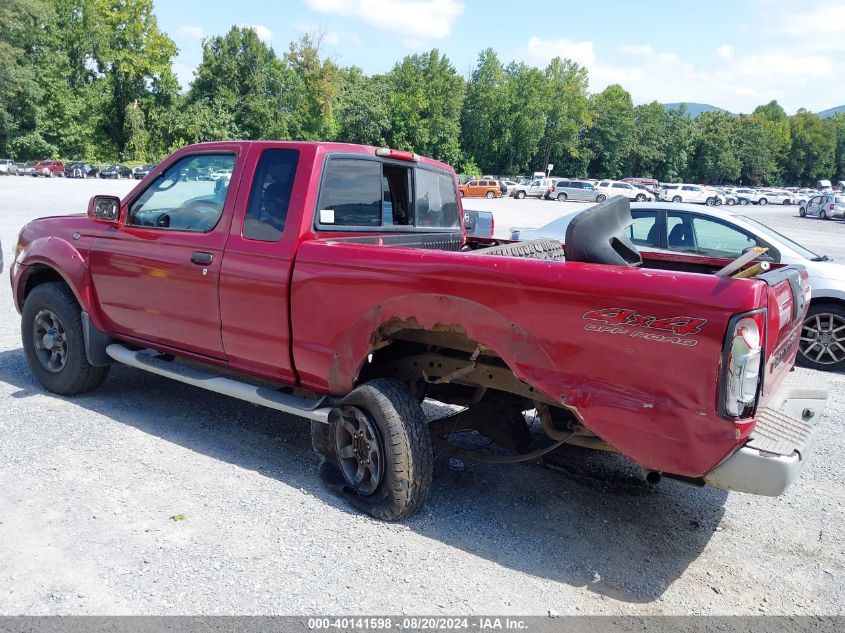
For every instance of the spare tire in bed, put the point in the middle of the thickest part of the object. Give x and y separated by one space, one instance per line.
532 249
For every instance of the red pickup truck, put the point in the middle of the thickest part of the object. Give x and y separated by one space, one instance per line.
336 282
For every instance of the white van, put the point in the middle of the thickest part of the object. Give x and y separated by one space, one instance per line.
824 185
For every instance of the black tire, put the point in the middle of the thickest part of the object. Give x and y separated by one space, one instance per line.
802 212
519 195
710 202
677 199
786 203
826 312
404 443
763 202
823 214
72 374
640 197
731 202
530 249
561 197
601 198
743 201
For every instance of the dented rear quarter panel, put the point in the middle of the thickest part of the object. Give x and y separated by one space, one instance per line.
654 401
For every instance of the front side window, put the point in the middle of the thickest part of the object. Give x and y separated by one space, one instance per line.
178 200
269 197
720 240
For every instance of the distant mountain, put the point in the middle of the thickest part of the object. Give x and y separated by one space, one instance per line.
831 111
694 109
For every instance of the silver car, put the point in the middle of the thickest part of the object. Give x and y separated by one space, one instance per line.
579 190
825 206
702 233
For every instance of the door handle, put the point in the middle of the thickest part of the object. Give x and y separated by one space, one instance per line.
201 258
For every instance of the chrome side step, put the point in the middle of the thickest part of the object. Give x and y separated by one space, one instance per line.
264 396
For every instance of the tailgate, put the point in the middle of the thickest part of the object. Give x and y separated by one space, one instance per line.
788 301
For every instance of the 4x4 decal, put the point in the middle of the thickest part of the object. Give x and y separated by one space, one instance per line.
616 320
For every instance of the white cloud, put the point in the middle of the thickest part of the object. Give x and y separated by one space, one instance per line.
542 51
416 21
194 32
725 51
812 22
184 73
263 33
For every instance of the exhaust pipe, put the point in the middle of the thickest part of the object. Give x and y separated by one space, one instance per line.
652 477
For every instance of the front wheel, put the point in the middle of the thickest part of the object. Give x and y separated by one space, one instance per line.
802 212
676 199
520 195
54 343
763 202
490 195
601 197
822 343
731 202
461 193
710 202
787 202
640 197
823 214
743 201
376 450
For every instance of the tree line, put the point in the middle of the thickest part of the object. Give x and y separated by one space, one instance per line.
94 80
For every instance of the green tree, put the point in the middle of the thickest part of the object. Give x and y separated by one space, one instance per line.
611 138
362 114
813 149
424 106
482 130
681 135
567 116
523 122
715 158
837 123
309 92
649 145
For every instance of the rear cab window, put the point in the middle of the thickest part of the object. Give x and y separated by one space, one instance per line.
364 194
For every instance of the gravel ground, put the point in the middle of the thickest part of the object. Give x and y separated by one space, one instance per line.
151 497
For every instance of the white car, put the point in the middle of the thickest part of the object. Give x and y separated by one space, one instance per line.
5 163
775 197
708 233
682 192
537 188
612 188
746 195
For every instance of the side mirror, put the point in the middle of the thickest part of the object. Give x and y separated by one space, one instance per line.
104 209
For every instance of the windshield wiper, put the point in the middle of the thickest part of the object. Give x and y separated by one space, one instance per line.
820 258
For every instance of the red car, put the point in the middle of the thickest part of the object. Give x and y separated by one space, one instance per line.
49 168
336 282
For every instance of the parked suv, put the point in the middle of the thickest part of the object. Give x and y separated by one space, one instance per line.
481 188
48 168
580 190
690 193
618 188
5 164
825 206
81 170
537 188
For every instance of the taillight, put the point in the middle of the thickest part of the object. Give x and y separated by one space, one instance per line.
553 189
386 152
832 207
492 225
743 364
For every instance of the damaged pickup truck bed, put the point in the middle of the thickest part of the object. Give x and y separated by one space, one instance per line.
336 282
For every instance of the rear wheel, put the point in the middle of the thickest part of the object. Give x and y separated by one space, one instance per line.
520 195
786 202
763 201
601 197
676 199
823 214
54 343
490 195
822 343
376 450
710 202
461 193
731 202
640 197
802 211
561 197
743 201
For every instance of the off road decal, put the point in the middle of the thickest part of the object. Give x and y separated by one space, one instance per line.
620 320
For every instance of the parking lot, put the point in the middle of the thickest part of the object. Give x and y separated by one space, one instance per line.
147 496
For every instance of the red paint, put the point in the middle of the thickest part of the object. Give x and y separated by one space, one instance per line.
303 311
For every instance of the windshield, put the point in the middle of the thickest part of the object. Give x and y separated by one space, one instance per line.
765 230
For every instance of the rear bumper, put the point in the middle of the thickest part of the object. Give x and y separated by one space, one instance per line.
781 443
